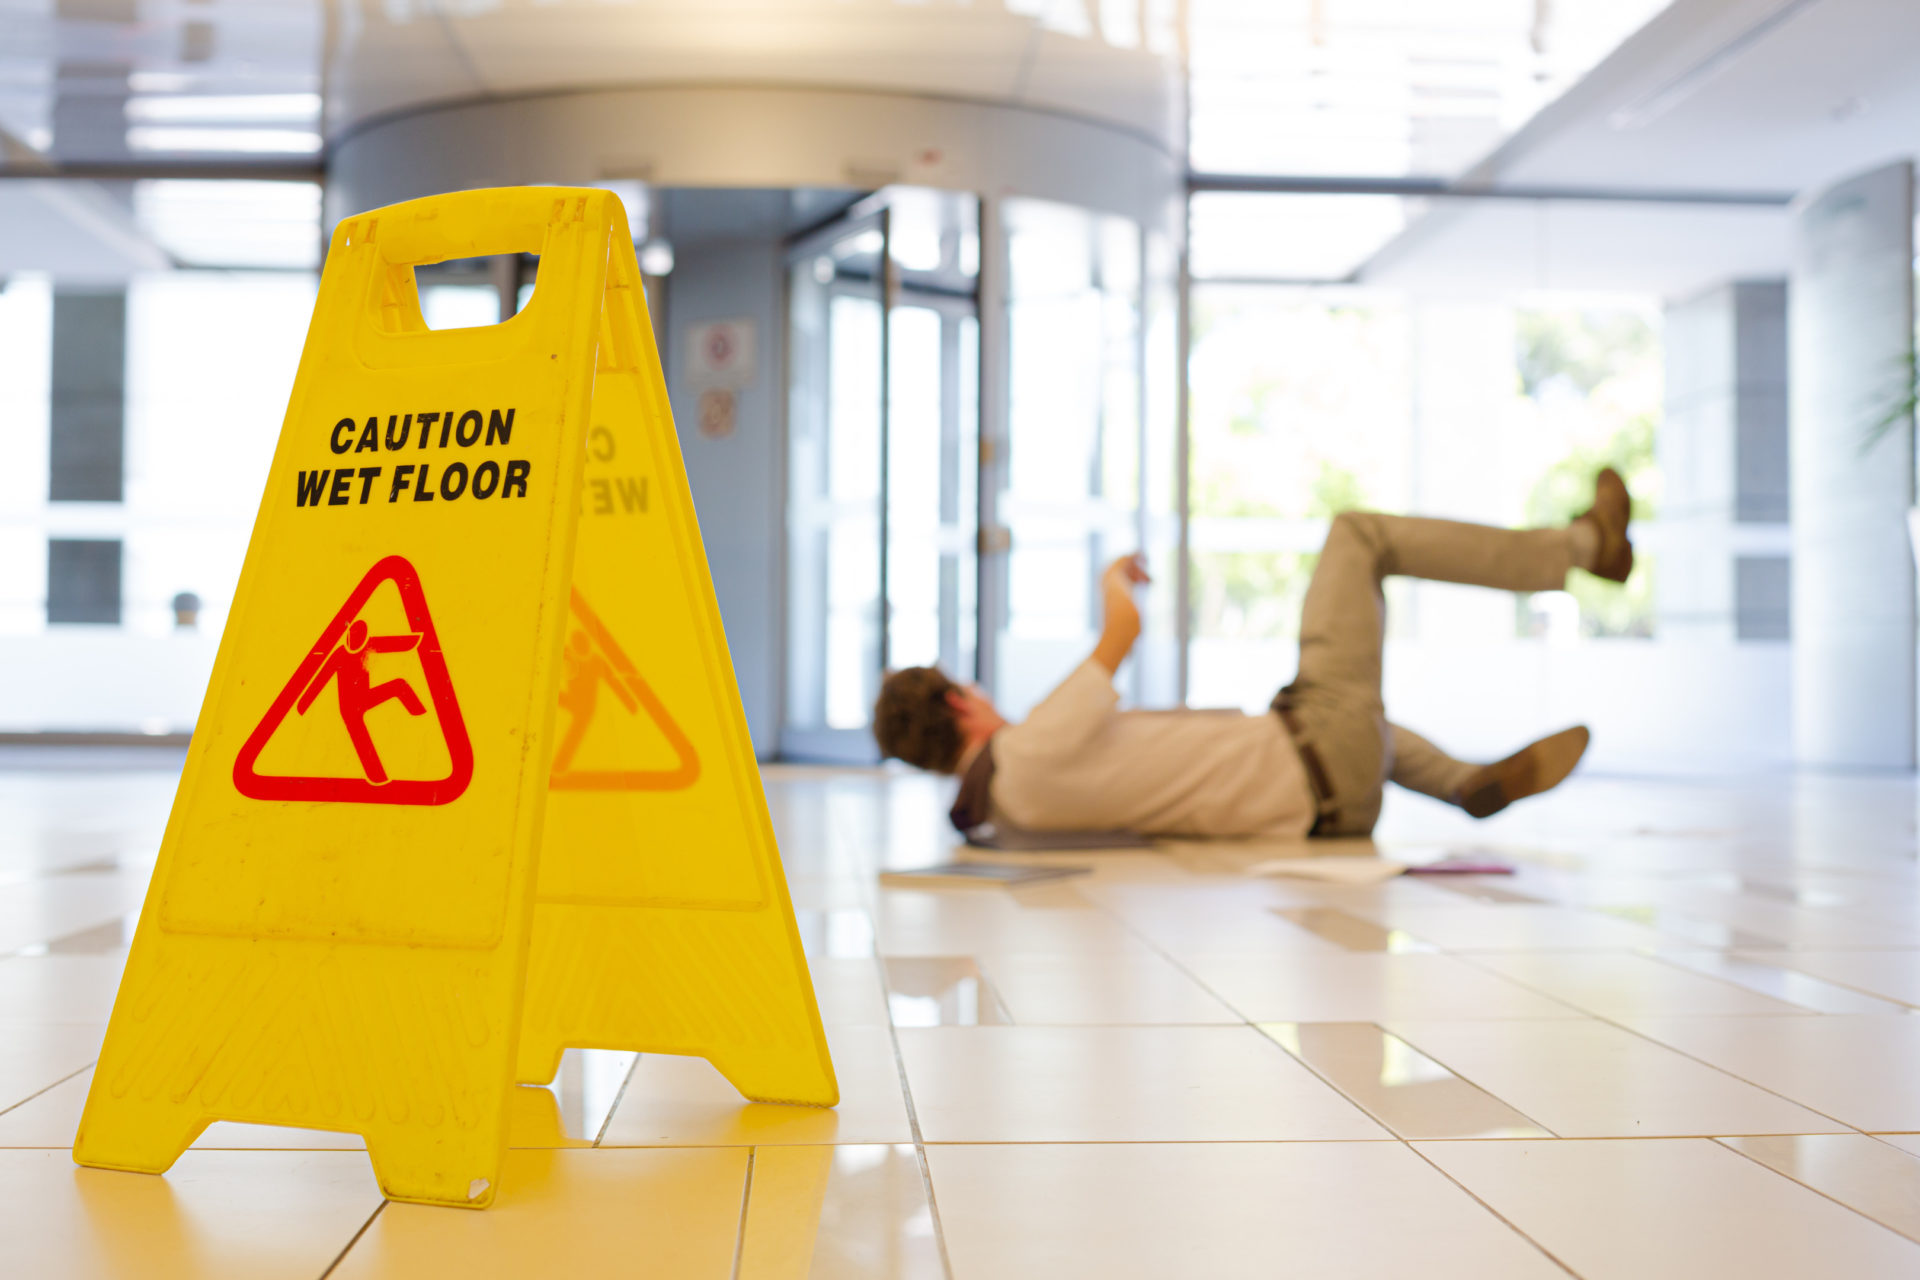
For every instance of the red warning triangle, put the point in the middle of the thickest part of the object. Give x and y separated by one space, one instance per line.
593 658
336 669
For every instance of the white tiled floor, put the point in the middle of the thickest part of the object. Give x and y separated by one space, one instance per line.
1680 1042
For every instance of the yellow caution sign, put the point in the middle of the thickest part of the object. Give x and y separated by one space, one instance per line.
472 713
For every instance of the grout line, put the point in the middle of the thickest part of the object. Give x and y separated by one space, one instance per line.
1484 1092
1673 1049
913 1116
1737 986
1807 1186
746 1206
618 1096
1509 1223
1403 1142
55 1085
340 1257
1769 962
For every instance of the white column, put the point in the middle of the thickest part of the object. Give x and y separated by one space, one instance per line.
1850 340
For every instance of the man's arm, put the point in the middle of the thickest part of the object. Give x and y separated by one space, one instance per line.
1121 625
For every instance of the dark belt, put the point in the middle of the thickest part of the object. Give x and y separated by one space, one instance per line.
1318 780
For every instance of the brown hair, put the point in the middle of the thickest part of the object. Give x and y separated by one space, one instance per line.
912 721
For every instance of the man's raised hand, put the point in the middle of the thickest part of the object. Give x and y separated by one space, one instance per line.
1128 570
1121 626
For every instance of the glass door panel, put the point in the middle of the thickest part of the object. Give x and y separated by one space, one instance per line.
1073 495
933 500
834 429
883 461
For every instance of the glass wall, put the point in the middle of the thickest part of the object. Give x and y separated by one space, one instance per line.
141 395
1091 445
139 407
1492 401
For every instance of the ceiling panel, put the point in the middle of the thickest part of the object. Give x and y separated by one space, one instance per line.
1737 95
1384 87
1492 247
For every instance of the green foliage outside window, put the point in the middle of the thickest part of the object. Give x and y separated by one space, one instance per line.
1600 359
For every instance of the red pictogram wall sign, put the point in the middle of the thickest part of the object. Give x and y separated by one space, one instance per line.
335 675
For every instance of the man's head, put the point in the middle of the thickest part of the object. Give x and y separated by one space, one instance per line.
929 721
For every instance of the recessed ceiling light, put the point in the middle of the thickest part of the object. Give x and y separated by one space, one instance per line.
237 108
200 138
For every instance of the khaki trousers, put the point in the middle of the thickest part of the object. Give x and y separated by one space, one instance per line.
1334 704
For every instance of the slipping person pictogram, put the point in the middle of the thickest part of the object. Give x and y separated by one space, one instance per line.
586 671
342 657
593 658
346 668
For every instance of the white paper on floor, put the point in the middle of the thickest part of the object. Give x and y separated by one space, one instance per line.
1337 869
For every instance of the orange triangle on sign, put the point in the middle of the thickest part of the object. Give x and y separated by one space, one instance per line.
339 659
593 656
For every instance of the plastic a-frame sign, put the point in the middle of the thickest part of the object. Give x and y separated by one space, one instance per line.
471 782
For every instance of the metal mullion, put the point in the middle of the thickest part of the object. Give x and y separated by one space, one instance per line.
990 606
886 437
1183 458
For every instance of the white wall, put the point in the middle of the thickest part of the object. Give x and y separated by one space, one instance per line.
736 481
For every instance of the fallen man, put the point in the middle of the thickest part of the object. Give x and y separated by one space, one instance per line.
1317 765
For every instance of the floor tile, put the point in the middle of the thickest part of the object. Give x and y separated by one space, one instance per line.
51 1119
1398 1085
109 939
58 988
653 1212
1351 932
849 991
671 1101
838 933
1222 1211
1798 927
1859 1070
971 921
1765 972
1363 987
1118 1084
1891 975
941 991
35 912
37 1056
249 1215
1904 1141
1134 988
1587 1079
1675 1210
838 1213
1862 1173
1251 930
1472 927
1612 983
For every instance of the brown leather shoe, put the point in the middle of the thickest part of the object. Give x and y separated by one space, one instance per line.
1611 510
1527 772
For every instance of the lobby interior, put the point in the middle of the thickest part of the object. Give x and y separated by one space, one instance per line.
955 303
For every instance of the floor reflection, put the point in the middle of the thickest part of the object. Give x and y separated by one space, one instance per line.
1352 932
849 1213
941 991
571 1109
1398 1085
